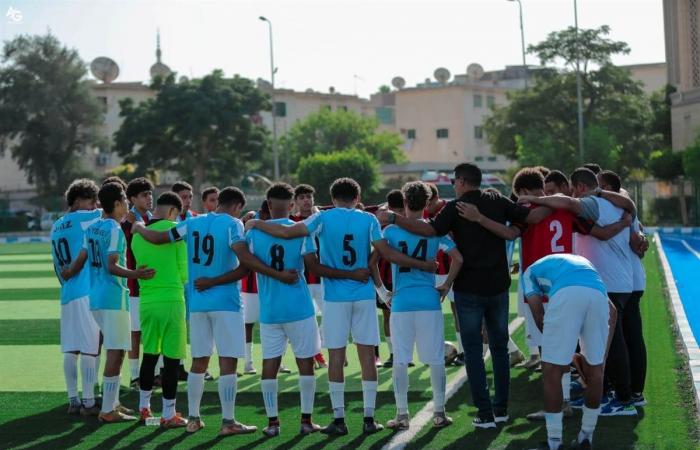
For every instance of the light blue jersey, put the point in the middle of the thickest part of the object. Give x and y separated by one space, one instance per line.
554 272
414 289
103 239
209 239
280 302
67 236
345 236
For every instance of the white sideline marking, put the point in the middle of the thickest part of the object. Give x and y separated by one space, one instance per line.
691 249
425 415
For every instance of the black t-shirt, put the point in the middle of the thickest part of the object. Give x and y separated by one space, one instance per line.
485 269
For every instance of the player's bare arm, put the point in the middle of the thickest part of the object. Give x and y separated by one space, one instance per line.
415 226
314 266
612 230
204 283
554 202
382 291
278 230
620 200
252 262
456 261
139 273
537 308
68 272
472 213
401 259
152 236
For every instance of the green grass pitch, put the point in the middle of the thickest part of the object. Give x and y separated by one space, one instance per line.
33 401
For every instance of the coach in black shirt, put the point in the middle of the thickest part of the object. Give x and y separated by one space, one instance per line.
481 288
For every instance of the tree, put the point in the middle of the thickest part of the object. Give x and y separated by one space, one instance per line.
328 132
321 170
199 128
384 89
667 165
48 117
660 102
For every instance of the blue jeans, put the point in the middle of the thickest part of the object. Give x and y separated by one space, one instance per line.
472 311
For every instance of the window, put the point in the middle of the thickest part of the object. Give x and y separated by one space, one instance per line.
385 115
492 158
477 100
479 158
478 132
411 133
490 101
442 133
342 108
280 109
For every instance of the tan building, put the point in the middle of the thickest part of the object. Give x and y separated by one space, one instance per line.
682 33
653 76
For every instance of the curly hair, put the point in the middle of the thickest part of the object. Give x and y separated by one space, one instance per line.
82 188
416 195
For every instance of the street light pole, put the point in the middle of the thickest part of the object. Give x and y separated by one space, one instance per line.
522 38
579 95
275 154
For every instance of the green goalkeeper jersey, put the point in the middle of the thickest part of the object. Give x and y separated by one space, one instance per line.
168 260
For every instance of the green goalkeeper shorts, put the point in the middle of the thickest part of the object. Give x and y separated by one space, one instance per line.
163 328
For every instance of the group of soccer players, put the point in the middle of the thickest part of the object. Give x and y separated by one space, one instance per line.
137 276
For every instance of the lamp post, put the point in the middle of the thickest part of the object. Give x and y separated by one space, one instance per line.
579 95
275 155
522 37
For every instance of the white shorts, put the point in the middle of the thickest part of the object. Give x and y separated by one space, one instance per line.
79 331
134 313
115 328
251 307
425 329
533 335
316 291
226 329
301 334
341 319
439 279
574 314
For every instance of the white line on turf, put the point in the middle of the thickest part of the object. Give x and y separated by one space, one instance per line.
425 415
691 249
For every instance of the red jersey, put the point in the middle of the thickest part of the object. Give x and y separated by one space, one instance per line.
186 215
133 283
249 283
311 278
442 258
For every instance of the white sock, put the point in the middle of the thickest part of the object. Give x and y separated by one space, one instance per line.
388 344
484 349
337 392
534 350
98 360
168 408
512 348
588 423
438 381
145 399
227 394
269 393
70 370
555 427
88 375
248 353
400 379
134 368
307 390
159 365
195 388
460 349
110 393
566 386
369 396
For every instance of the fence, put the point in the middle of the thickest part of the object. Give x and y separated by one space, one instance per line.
659 203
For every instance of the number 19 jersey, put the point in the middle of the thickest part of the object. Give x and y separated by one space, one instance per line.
345 236
281 302
209 239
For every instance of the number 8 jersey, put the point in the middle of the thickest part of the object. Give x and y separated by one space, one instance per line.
345 236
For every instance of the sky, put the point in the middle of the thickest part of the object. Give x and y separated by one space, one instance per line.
354 46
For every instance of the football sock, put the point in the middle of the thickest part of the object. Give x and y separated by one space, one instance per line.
438 383
168 407
269 393
146 373
566 386
88 375
555 427
460 349
388 344
145 399
369 396
227 395
169 381
134 368
248 353
70 370
110 392
159 366
512 348
337 393
400 379
307 390
588 423
195 388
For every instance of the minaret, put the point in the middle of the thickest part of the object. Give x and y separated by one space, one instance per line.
159 69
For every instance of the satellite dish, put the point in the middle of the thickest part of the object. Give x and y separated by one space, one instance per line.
475 71
104 69
309 91
442 75
398 82
331 90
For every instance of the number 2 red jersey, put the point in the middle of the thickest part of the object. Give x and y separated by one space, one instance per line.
442 258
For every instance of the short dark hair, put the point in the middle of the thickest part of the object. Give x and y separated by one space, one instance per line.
169 198
612 179
280 191
345 190
593 167
180 186
585 176
530 178
303 189
557 177
434 193
395 199
209 190
115 179
110 193
230 196
470 173
138 185
81 188
543 170
416 195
